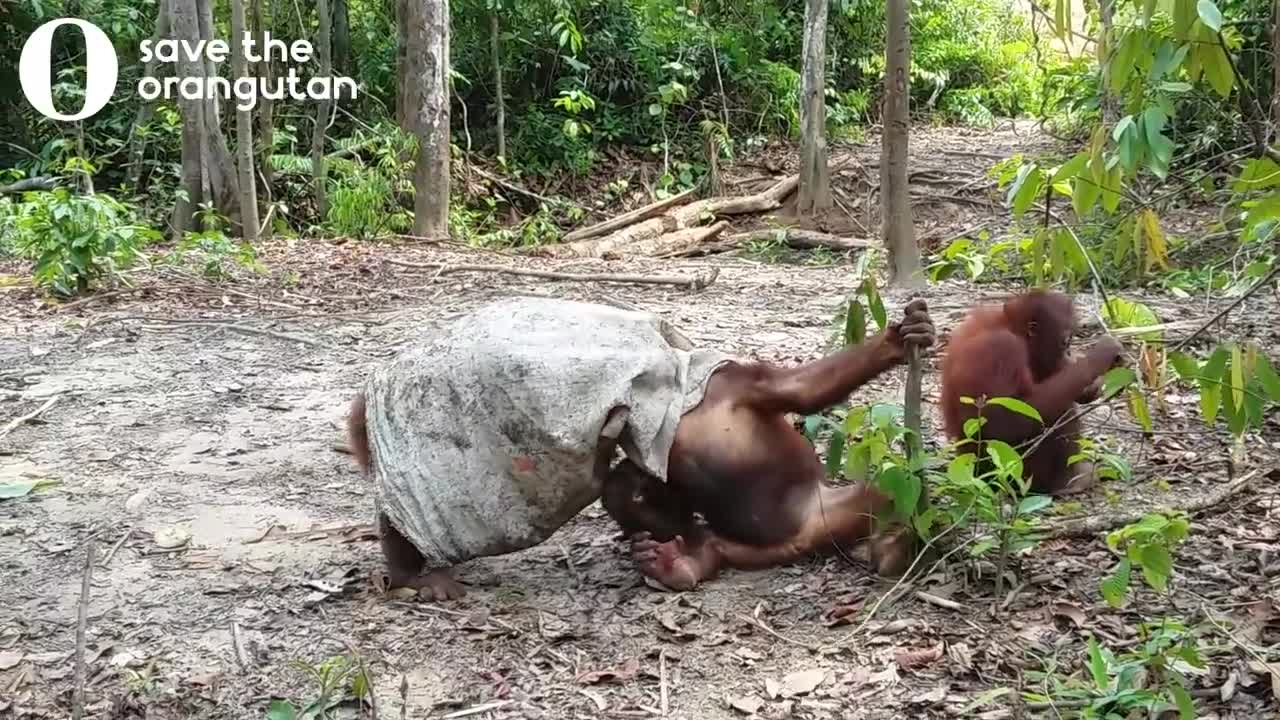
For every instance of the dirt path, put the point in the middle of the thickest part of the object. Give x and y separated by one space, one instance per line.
179 421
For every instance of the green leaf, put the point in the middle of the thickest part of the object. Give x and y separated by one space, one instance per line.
1077 164
655 109
1211 385
1237 375
811 425
1210 15
1181 698
903 486
855 324
1026 188
1138 406
1033 504
875 303
1267 376
1157 566
1007 460
1111 189
973 426
1217 69
1084 193
281 710
835 453
1187 367
1018 406
1123 60
22 488
1117 379
1258 174
1116 585
1097 665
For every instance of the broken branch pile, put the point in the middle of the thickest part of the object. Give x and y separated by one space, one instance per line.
678 226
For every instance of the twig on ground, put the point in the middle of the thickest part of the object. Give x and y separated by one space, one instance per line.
82 623
14 423
477 710
697 282
1092 524
89 300
662 682
128 533
238 648
939 601
763 626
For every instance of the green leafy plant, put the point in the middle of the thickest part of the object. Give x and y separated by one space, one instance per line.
1147 545
339 681
211 250
1150 679
77 241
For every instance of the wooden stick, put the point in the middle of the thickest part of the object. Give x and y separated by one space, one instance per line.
802 239
478 709
82 622
13 424
697 282
523 191
621 221
1093 524
662 681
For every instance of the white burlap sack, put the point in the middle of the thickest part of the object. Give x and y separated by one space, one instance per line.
484 436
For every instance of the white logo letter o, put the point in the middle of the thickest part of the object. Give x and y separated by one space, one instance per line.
101 68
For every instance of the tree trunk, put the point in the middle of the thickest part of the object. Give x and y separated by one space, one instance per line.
208 174
1275 70
1110 103
146 109
815 177
402 66
897 229
427 108
500 102
244 130
266 106
341 37
323 45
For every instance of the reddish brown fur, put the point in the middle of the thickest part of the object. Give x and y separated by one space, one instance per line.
358 434
1020 350
753 477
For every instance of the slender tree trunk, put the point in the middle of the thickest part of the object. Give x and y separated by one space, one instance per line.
323 45
146 109
342 37
427 105
402 65
208 173
1110 103
897 229
501 103
1275 70
244 129
815 177
266 106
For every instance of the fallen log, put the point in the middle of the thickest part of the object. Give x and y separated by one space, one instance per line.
678 242
621 221
802 239
687 216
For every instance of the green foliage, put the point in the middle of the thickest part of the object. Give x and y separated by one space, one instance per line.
1146 681
340 682
77 241
1147 545
211 250
1237 382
